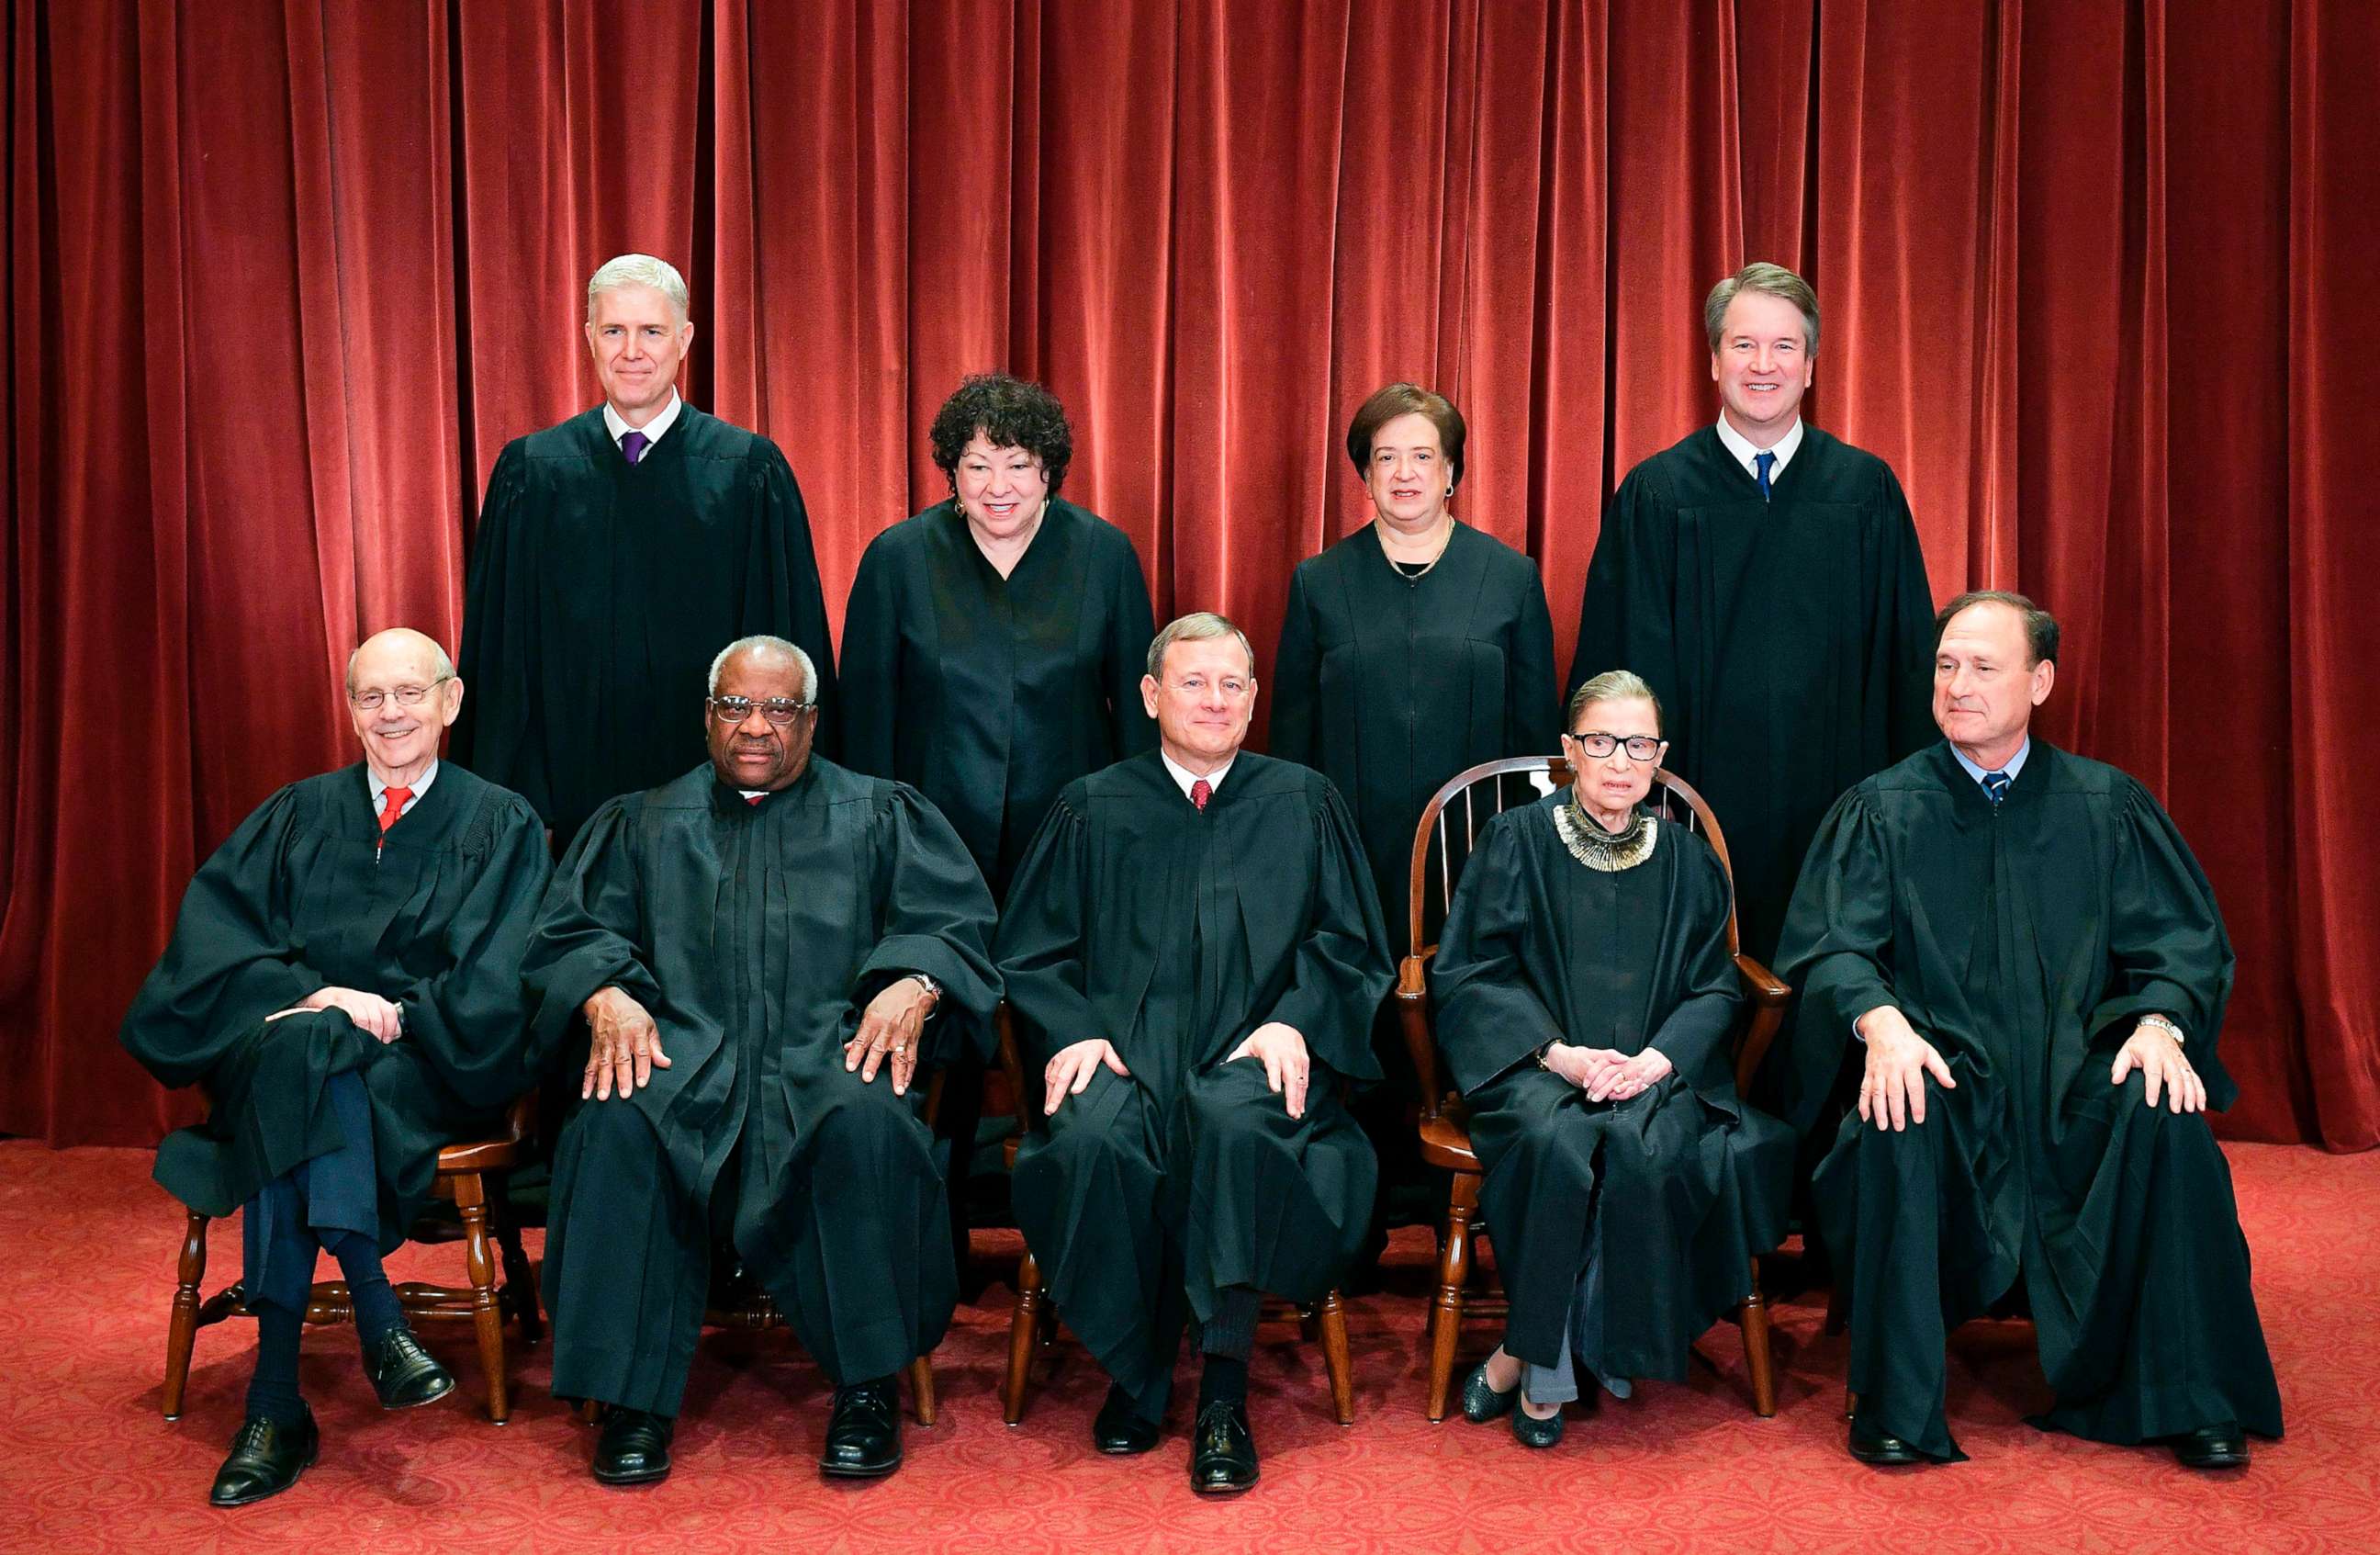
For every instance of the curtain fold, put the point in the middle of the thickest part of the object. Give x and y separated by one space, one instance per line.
285 278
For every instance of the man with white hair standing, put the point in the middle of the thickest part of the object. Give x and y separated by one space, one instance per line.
614 552
758 961
344 981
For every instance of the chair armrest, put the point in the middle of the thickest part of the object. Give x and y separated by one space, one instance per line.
1761 984
1766 995
1012 1066
1413 1018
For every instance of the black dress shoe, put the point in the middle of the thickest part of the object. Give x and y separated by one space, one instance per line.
1872 1446
2213 1446
266 1459
1530 1431
1481 1402
634 1448
863 1435
1222 1450
1120 1431
403 1373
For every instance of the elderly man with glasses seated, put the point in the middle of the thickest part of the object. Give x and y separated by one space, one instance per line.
752 964
344 981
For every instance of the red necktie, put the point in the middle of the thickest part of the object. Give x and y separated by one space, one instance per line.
1199 792
392 804
754 798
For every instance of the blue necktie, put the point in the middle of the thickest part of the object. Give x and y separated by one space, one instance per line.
1997 786
633 445
1763 459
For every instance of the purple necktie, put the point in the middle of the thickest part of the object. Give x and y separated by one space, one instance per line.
634 444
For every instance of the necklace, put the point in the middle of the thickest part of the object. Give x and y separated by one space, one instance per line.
1381 526
1600 850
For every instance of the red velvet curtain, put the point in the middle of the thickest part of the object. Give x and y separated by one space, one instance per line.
283 278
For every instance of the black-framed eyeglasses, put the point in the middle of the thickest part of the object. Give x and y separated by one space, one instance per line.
780 710
406 695
1598 745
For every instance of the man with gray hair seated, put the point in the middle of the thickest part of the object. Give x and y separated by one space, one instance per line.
344 981
1194 945
753 964
613 553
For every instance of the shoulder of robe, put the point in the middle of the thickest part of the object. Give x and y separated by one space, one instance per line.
1849 464
1693 845
1262 777
563 439
707 437
1505 563
1106 540
838 784
688 790
496 812
901 539
1656 478
2069 773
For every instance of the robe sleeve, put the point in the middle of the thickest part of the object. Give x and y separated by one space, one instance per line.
783 594
500 732
1626 620
1297 682
935 915
1901 644
1132 626
2165 939
232 960
1836 950
588 930
1694 1036
468 1017
1532 712
1491 1013
1040 944
1342 965
871 679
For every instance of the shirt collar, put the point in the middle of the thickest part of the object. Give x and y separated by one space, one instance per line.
2015 763
1740 446
1184 777
652 429
420 785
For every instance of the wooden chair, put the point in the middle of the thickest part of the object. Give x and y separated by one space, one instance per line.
1034 1323
1445 1118
737 1301
471 1174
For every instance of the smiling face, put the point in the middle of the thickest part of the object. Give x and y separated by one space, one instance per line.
1763 366
1002 491
639 342
1202 705
1407 473
1984 690
1611 785
756 755
400 741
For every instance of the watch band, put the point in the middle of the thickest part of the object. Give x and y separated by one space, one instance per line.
2165 1024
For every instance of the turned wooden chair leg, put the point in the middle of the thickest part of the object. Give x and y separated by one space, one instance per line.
182 1331
1024 1328
921 1388
487 1315
1754 1317
1332 1320
1453 1272
520 1282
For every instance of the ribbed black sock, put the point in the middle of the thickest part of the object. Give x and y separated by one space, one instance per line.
273 1391
1223 1379
377 1312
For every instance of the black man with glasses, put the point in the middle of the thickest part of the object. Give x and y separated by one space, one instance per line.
754 965
343 981
1584 994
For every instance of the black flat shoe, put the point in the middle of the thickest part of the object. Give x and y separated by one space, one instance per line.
403 1373
1530 1431
1872 1446
1481 1402
266 1459
1120 1431
863 1435
634 1448
1223 1451
2213 1446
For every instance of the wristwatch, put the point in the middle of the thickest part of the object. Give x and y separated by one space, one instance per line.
2163 1024
933 989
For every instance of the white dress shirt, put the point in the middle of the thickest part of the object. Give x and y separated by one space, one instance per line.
652 429
420 786
1741 447
1184 777
2015 763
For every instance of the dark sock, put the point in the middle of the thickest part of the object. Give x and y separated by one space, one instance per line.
273 1391
377 1312
1223 1379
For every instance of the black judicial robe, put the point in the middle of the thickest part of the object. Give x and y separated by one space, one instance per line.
1791 641
991 694
1174 934
600 591
754 936
1391 684
2024 940
1540 947
302 897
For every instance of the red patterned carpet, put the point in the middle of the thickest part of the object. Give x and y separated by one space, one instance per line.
87 1247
